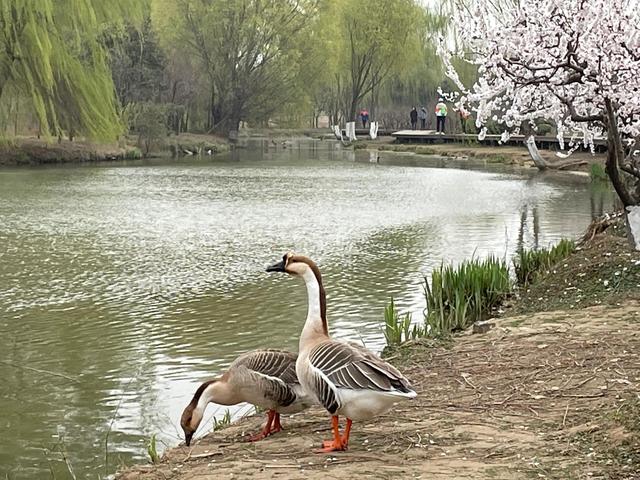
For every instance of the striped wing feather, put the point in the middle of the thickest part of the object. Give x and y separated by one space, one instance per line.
354 367
274 363
272 371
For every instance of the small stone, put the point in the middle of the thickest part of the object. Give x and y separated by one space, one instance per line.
483 327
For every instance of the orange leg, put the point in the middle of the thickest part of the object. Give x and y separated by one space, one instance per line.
277 426
266 431
347 431
336 444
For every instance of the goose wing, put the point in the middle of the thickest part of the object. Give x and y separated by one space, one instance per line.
271 372
271 362
349 366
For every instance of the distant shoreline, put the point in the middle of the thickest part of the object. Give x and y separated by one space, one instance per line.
32 151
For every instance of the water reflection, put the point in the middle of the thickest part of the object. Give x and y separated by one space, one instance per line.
138 281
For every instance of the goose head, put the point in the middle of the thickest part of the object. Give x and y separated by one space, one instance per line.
297 265
193 413
189 422
220 391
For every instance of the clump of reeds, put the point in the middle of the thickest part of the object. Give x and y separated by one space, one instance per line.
530 263
459 296
397 327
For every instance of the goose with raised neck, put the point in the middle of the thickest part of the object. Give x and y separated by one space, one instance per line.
345 378
265 378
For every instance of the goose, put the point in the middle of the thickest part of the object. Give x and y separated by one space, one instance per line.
345 378
265 378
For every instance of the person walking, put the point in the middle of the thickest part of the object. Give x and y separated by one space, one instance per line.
414 118
464 116
441 115
422 115
364 116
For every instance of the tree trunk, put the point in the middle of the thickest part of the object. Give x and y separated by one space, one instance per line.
353 109
615 153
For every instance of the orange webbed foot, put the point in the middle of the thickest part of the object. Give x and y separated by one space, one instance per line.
329 446
257 437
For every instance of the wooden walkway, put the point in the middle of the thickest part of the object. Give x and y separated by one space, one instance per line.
430 136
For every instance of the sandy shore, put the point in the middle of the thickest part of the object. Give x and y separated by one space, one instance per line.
549 395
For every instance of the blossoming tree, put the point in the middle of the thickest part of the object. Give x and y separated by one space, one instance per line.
575 62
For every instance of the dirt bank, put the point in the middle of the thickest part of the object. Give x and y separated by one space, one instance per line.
547 395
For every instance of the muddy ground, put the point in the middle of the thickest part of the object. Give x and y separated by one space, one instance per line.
546 395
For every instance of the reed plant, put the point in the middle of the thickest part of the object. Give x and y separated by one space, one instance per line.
152 450
459 296
528 264
398 328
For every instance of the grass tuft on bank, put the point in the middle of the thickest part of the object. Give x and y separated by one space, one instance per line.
603 270
530 263
456 297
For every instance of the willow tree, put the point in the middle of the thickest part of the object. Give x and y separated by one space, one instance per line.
250 51
50 53
381 38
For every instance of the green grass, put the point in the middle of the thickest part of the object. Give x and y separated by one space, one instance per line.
224 421
459 296
133 153
528 264
152 450
398 328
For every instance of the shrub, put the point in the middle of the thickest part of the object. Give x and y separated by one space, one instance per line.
457 297
529 263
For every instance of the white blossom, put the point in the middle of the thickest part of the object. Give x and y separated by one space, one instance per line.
558 60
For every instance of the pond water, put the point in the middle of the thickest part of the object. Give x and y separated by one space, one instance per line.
123 286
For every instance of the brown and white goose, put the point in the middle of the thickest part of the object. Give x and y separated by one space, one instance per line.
345 378
264 378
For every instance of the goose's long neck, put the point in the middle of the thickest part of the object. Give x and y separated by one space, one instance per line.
315 327
219 391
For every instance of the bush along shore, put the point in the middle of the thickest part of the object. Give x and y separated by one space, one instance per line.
524 369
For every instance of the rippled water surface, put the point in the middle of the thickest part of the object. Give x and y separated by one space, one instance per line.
124 286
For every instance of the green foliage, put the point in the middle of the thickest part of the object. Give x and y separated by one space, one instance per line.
149 121
50 52
397 328
457 297
224 421
151 449
529 263
597 173
137 63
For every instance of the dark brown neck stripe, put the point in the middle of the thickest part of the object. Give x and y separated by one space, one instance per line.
323 297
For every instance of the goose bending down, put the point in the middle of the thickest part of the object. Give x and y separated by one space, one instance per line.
345 378
265 378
